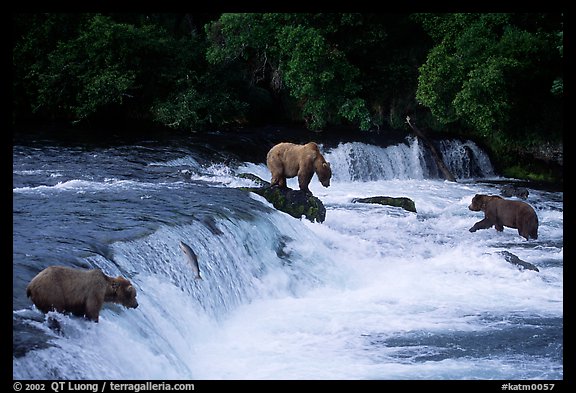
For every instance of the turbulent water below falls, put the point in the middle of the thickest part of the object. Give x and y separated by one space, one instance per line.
374 292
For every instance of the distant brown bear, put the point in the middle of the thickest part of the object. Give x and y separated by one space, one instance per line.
80 292
287 160
501 212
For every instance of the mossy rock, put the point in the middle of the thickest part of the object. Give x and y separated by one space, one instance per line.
293 202
403 202
254 178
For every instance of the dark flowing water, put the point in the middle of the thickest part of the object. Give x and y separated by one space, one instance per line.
374 292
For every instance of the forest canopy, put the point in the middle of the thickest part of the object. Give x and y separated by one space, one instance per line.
498 77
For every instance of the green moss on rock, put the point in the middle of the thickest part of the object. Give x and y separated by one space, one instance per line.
403 202
293 202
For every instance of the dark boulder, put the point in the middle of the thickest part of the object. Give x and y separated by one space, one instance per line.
403 202
293 202
509 190
513 259
255 179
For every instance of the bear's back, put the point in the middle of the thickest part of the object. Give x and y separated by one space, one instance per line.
65 289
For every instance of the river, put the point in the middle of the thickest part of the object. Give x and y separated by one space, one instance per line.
372 293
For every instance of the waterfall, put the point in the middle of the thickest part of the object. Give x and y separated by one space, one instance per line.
465 159
259 254
355 161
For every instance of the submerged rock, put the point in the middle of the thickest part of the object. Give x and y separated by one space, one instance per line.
509 190
254 178
513 259
403 202
294 202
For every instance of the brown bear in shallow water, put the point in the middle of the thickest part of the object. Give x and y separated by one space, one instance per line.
287 160
501 212
80 292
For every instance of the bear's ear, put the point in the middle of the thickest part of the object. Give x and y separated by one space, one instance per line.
118 282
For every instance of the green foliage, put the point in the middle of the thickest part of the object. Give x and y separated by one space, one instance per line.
495 76
241 36
137 68
483 98
293 51
319 75
439 78
558 84
189 107
322 69
489 72
103 65
35 36
355 110
520 172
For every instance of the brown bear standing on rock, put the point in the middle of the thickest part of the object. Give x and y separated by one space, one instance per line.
287 160
501 212
80 292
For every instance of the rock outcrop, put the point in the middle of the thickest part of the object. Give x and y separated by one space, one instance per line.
403 202
513 259
509 190
293 202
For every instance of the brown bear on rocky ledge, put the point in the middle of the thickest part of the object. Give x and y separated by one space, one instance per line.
80 292
287 160
501 212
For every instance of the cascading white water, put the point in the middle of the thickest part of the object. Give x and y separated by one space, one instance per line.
374 292
265 256
465 159
356 161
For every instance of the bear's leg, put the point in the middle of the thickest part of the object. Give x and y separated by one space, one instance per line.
527 234
482 224
54 325
304 180
93 306
279 181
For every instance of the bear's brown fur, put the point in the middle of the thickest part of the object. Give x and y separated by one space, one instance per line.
287 160
501 212
80 292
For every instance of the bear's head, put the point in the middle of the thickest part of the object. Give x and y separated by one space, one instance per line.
480 202
124 292
324 173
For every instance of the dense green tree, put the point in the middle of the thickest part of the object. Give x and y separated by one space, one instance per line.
34 37
284 50
332 67
79 67
558 84
494 74
99 65
322 69
498 76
